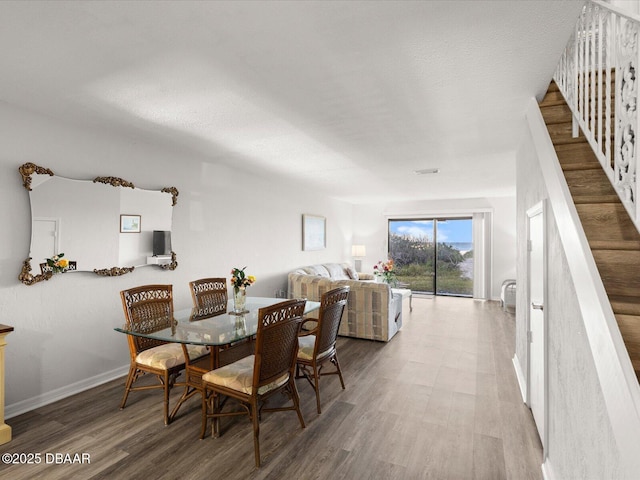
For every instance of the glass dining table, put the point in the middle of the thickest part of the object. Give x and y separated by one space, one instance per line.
227 334
201 326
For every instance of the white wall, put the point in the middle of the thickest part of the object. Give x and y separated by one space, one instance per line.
370 229
64 339
581 443
630 6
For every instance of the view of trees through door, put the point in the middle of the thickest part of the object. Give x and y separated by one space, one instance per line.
433 255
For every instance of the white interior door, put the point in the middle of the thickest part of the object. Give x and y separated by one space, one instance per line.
44 240
537 327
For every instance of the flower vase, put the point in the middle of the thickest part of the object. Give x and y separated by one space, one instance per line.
239 300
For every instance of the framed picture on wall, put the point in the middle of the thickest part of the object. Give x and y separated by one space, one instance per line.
130 223
314 234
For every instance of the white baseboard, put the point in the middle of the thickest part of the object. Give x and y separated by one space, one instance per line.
522 382
60 393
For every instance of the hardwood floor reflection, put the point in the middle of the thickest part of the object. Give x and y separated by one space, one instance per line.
439 401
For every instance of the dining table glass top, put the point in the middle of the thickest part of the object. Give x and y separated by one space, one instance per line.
199 326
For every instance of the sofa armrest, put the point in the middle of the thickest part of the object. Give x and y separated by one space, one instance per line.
371 312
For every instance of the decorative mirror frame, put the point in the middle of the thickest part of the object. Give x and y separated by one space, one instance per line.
29 169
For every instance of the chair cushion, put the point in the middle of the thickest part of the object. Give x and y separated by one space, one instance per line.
168 355
239 376
196 351
305 348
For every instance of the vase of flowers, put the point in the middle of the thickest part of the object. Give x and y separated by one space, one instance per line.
384 271
240 281
57 263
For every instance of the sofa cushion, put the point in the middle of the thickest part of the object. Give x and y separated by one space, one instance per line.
318 270
336 271
353 275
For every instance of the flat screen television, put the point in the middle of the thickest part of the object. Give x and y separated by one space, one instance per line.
161 242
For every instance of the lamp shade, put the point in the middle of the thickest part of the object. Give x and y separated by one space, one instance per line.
358 251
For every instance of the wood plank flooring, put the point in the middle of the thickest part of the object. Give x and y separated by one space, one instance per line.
440 401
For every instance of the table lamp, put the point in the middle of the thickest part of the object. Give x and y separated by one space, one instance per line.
358 252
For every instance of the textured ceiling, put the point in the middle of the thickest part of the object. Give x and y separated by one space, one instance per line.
349 97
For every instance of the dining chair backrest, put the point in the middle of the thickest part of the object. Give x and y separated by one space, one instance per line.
209 293
147 309
277 341
332 306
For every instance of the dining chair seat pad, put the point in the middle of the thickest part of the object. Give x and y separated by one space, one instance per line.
168 355
239 376
305 348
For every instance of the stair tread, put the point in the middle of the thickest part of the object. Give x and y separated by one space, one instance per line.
585 146
630 299
553 87
589 177
608 226
576 152
561 133
614 244
625 305
555 113
565 140
586 165
619 271
582 199
630 329
550 101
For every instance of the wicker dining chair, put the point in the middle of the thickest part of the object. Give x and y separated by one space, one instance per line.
253 379
209 299
209 293
318 346
147 309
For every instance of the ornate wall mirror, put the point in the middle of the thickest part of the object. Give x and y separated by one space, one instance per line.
105 225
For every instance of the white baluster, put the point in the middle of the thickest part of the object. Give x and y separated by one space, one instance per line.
605 42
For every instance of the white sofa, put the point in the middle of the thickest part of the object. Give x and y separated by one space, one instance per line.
373 311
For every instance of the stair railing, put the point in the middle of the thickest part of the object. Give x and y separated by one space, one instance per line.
598 77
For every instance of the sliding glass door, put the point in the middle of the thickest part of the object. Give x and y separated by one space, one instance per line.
433 255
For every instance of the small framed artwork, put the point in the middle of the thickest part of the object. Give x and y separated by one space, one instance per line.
314 234
130 223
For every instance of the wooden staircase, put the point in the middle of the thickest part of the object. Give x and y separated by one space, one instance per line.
612 236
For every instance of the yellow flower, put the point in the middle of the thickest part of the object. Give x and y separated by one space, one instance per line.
239 280
57 263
